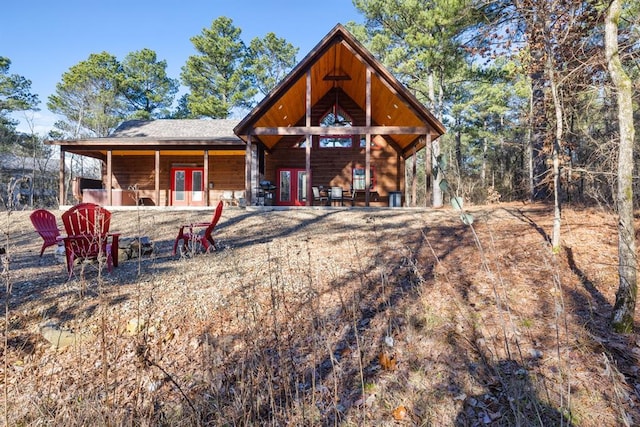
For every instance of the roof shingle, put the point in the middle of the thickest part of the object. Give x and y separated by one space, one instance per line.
177 128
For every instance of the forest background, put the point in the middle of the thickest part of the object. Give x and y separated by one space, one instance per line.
532 94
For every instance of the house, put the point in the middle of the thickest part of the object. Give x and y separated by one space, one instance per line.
339 119
29 180
163 163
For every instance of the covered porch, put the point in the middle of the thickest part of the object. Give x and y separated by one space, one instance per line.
339 119
182 163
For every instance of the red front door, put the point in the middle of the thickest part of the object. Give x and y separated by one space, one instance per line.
187 186
291 187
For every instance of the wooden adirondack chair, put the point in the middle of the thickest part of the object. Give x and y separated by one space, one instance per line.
88 237
47 227
190 235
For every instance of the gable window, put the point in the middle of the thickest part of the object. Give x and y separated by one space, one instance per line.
335 117
335 141
359 178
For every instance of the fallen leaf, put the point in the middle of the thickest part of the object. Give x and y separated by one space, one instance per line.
388 363
400 413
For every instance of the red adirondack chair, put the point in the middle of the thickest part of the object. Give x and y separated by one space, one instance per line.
190 235
47 227
88 237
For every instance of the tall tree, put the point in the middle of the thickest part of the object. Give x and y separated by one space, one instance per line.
146 87
89 97
182 109
216 76
269 60
15 95
418 41
624 308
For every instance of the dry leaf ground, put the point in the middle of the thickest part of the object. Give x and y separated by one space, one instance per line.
326 317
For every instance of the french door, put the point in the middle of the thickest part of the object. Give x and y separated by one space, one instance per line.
187 186
291 187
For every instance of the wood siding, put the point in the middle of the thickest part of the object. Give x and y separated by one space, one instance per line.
334 166
225 171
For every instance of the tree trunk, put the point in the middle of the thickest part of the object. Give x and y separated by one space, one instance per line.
536 35
557 141
624 308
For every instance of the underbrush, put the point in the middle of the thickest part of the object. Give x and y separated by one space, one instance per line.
325 319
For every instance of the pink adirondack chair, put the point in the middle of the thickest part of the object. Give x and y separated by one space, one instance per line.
190 235
88 237
47 227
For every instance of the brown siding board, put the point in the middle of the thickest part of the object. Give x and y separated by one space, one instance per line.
140 171
334 166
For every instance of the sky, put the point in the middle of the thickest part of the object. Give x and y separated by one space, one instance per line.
45 38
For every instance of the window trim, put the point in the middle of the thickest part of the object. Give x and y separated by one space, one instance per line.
373 183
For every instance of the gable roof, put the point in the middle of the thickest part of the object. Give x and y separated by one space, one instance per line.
339 60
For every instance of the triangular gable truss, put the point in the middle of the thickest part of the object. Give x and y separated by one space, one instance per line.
340 61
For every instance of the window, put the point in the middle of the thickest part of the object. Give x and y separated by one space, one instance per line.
359 178
335 117
336 142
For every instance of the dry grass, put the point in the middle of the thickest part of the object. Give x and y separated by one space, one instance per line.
327 317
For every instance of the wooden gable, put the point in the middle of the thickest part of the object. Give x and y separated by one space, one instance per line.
340 63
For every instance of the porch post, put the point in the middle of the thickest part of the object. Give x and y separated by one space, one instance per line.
436 190
157 176
61 177
414 177
428 170
206 178
109 178
367 151
247 171
309 198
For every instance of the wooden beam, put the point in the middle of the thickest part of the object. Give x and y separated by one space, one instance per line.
367 151
206 177
247 171
428 171
157 176
109 179
414 177
62 193
221 143
340 130
308 138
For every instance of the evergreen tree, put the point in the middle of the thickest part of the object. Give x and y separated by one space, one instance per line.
146 87
216 76
15 95
269 60
89 97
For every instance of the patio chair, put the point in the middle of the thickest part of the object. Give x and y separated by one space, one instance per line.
88 236
47 227
227 197
317 197
349 197
239 197
191 237
336 196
